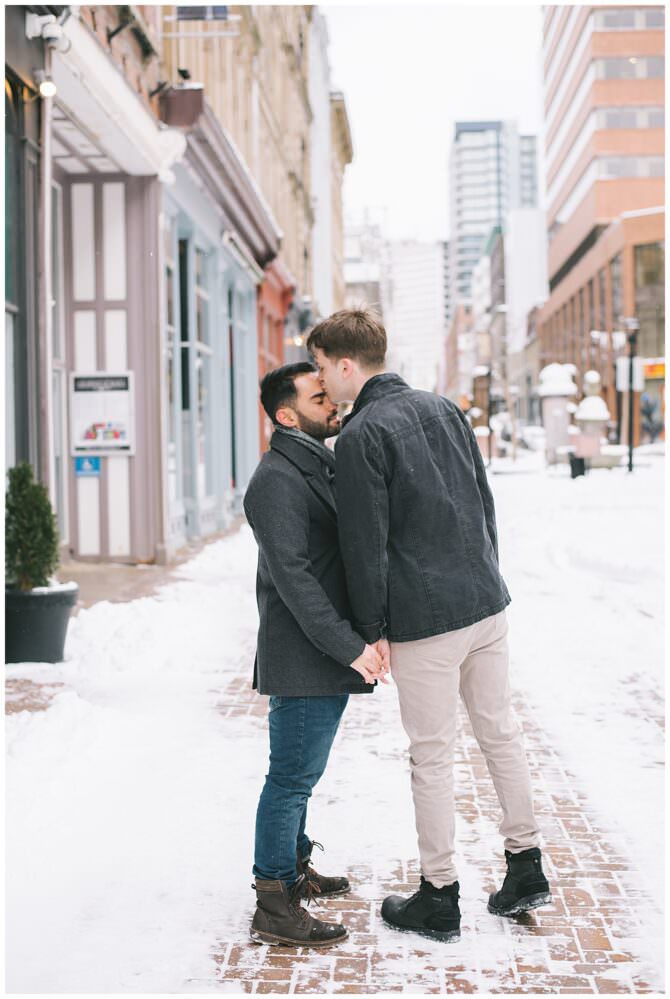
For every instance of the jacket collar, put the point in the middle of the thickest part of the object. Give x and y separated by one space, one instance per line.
308 464
385 384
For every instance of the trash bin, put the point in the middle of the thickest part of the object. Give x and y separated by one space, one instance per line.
577 466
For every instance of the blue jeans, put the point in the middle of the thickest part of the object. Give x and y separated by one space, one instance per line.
302 730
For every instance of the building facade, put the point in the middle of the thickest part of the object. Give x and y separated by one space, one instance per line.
367 267
604 115
341 154
321 166
492 170
415 326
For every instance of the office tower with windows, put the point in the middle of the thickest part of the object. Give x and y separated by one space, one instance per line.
604 142
492 170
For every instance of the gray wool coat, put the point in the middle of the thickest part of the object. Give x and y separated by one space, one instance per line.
305 641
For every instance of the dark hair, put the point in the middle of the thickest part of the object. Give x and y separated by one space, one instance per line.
278 386
355 333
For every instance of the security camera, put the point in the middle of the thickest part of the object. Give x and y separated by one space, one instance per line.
51 31
54 36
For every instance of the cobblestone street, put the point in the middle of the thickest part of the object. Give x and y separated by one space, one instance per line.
588 941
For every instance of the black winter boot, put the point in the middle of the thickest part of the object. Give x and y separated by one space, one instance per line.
326 887
431 912
525 886
280 919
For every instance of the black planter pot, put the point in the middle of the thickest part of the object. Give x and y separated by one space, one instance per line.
36 624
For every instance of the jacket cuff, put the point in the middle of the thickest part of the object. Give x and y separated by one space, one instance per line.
351 651
371 632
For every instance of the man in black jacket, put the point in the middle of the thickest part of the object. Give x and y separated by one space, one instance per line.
420 549
309 658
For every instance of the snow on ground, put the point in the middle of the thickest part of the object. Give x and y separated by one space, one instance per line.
130 802
584 563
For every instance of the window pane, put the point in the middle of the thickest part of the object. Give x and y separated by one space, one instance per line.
11 203
59 455
650 298
169 291
618 19
655 67
602 296
10 402
57 273
656 118
619 69
654 18
202 326
621 118
616 291
205 476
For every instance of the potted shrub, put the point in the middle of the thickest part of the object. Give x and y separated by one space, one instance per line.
37 606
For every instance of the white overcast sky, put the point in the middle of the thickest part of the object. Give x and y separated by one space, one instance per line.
408 73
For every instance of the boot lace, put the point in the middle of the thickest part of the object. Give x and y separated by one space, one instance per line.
303 889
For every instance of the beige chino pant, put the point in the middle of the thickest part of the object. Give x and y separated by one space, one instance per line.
430 674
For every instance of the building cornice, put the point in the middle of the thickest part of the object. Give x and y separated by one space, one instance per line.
213 155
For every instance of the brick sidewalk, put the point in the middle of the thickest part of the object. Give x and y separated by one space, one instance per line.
588 941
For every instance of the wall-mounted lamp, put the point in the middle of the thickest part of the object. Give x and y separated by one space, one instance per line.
45 84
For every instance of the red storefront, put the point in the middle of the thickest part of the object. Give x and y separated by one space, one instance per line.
274 298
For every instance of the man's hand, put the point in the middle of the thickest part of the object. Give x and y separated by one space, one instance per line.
370 665
384 650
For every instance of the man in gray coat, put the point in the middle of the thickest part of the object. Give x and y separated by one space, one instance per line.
309 658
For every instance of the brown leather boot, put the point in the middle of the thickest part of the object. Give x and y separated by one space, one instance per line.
325 887
280 919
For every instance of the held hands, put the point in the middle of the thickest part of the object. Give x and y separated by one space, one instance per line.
374 662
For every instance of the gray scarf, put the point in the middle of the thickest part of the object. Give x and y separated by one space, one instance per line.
316 447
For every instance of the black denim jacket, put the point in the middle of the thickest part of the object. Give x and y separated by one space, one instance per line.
416 517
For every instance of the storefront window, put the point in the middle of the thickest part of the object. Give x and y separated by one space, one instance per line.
602 300
203 363
11 282
616 291
171 350
10 419
650 298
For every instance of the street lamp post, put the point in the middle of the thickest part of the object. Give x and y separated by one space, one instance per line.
632 326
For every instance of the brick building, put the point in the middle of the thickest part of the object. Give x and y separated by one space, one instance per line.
604 116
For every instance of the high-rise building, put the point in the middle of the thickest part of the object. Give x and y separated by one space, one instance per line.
447 284
604 118
366 266
492 170
415 326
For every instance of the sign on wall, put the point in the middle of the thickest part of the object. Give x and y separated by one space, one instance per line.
623 374
102 413
87 467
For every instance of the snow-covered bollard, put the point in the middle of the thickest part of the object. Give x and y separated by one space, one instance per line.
557 387
591 417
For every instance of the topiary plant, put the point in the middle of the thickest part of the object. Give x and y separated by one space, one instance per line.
31 533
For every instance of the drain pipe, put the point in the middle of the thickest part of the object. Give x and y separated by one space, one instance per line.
45 353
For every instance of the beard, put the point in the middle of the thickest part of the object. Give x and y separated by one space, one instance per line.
319 431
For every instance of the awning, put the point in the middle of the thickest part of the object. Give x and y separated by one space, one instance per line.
97 95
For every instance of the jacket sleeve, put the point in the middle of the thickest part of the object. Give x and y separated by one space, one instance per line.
363 524
281 528
482 483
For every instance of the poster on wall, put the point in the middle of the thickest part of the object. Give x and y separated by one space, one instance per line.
102 413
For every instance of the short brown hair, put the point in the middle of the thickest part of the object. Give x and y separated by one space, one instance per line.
355 333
